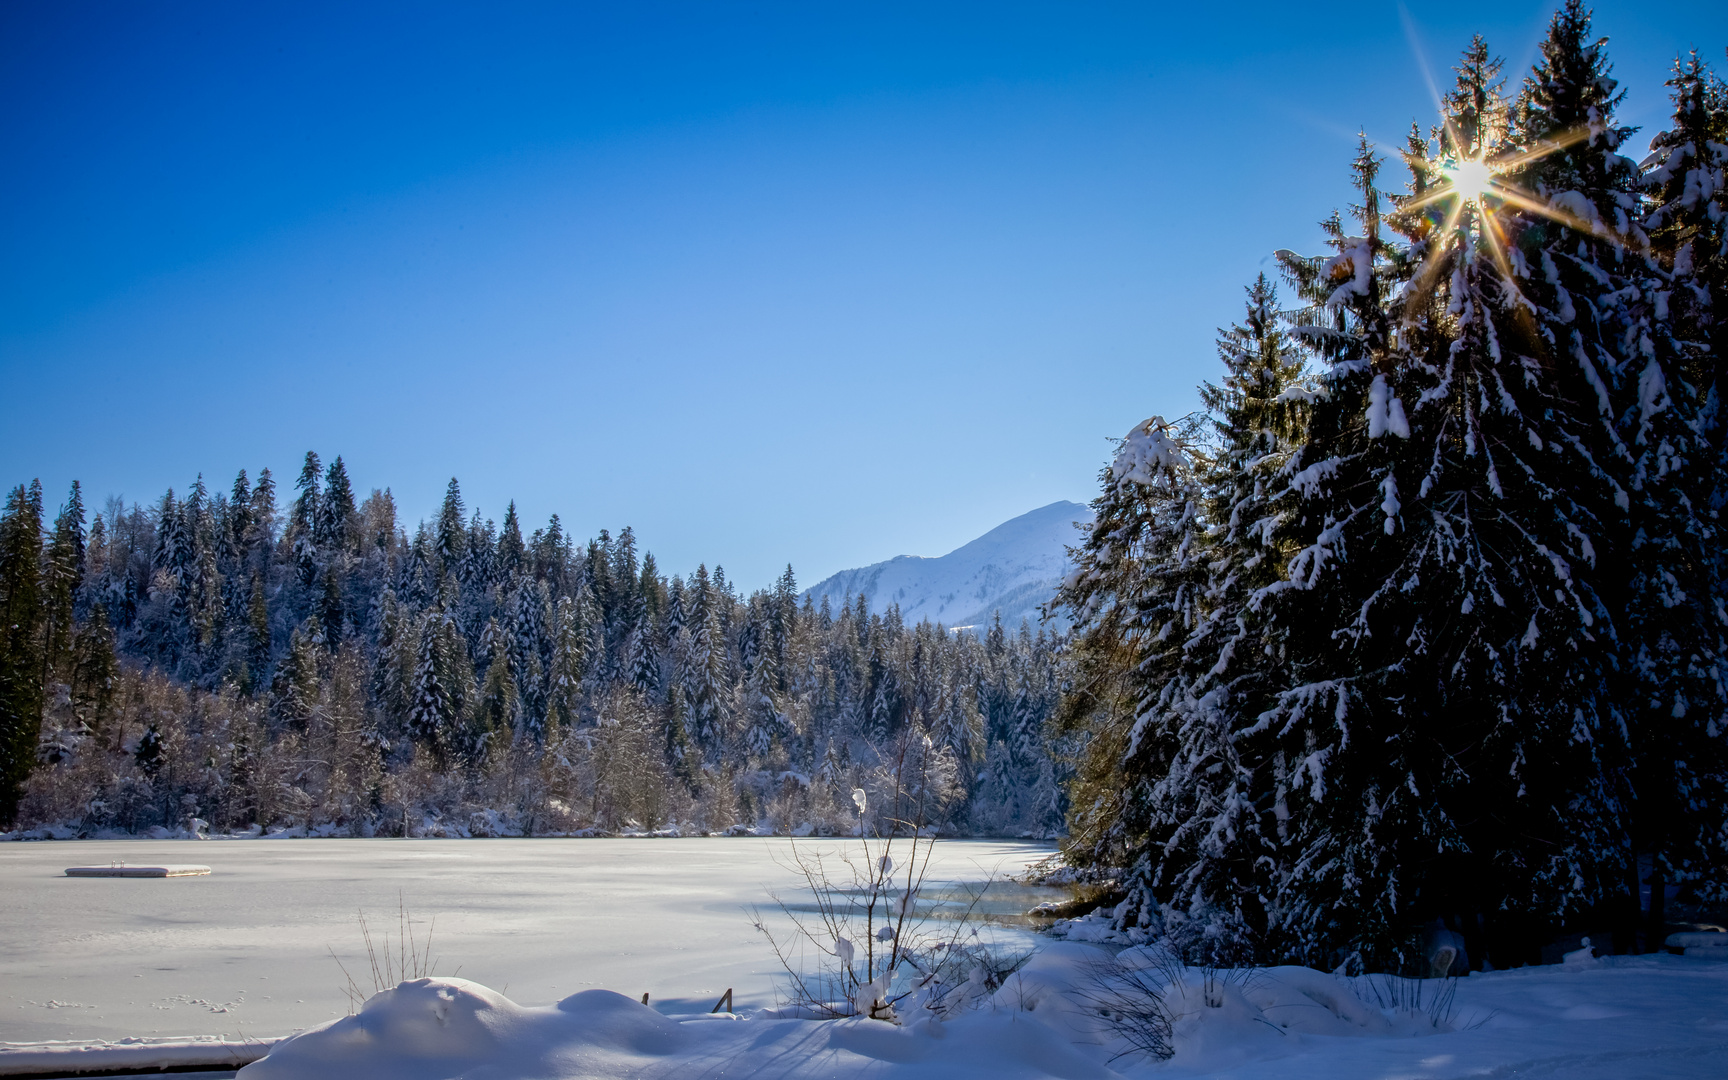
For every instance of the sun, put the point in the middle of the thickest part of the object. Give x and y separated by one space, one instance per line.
1471 178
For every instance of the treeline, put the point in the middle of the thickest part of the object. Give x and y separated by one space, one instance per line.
213 661
1424 620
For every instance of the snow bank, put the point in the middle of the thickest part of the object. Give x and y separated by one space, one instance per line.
1655 1016
430 1029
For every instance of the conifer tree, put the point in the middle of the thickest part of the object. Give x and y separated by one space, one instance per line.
1134 593
452 536
1682 765
257 633
334 525
511 553
703 672
303 520
95 670
20 643
564 677
62 573
263 515
498 700
238 537
432 715
331 611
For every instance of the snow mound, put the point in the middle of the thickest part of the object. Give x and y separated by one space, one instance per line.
428 1029
1059 1016
434 1029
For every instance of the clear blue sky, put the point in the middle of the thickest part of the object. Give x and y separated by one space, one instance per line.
815 283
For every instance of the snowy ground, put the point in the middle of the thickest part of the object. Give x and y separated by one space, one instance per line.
1649 1018
243 952
556 926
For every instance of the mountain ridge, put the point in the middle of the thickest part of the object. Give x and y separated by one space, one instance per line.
1012 569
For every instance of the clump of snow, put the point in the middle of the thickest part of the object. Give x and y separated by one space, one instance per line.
1698 939
1099 927
1583 957
1385 412
1146 451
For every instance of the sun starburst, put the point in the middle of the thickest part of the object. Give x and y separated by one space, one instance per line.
1476 190
1471 178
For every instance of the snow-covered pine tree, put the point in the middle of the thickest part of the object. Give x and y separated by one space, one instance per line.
239 521
332 612
1436 741
1685 282
499 710
335 522
704 670
303 520
1134 595
62 573
432 715
511 552
564 677
1210 813
392 664
20 644
529 654
262 520
643 659
452 537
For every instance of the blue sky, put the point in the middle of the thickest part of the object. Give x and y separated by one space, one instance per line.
807 283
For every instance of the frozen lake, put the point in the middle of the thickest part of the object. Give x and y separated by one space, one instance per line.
246 950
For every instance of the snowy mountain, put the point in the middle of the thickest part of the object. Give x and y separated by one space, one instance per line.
1013 568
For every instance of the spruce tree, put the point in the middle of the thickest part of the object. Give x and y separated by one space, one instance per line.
1683 777
335 521
62 573
511 552
432 714
1135 596
303 521
20 643
1208 813
452 536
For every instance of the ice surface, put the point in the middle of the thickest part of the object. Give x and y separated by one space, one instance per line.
84 1055
243 951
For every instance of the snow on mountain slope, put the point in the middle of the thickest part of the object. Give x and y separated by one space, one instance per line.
1013 569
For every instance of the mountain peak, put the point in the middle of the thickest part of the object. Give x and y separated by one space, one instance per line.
1012 569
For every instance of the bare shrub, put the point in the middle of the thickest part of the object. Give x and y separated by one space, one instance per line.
392 958
1129 1001
868 947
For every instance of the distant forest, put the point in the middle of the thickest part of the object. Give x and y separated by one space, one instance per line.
215 662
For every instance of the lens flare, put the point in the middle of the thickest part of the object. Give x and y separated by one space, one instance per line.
1471 179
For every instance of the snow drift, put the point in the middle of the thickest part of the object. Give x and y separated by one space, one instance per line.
1645 1016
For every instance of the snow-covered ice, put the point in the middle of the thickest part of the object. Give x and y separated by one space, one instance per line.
243 952
570 933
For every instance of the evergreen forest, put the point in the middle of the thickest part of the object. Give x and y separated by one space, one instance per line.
213 661
1421 623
